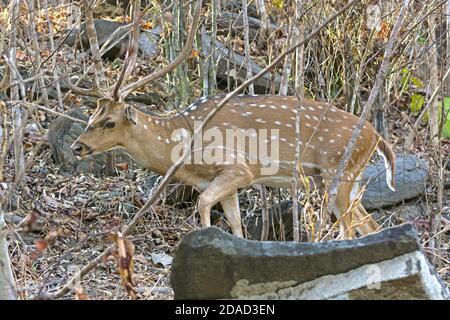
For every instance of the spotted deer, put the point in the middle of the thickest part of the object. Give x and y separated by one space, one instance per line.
218 168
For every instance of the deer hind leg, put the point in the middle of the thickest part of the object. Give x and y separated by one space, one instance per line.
364 223
230 207
224 188
342 210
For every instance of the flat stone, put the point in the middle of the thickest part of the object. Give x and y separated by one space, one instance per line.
212 264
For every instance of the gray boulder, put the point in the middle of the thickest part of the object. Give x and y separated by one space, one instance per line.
212 264
410 180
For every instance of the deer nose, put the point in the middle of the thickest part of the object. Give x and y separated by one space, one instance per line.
79 148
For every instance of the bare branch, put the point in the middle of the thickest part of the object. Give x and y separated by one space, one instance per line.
171 66
37 106
5 82
81 91
93 43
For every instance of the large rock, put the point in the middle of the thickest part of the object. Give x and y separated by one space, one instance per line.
410 180
212 264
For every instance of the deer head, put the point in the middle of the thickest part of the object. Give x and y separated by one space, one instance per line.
113 119
107 128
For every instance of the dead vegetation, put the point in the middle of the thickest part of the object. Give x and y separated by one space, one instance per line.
57 222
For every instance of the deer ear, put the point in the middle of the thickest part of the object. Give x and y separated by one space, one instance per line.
130 114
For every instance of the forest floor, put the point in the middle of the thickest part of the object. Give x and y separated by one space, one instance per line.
72 216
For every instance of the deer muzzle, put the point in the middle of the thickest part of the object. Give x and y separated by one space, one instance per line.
81 150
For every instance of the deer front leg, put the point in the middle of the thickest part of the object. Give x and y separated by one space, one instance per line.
224 188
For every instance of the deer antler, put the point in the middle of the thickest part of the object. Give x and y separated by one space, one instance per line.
171 66
131 56
82 91
130 59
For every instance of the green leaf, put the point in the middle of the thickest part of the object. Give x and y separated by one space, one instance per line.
422 40
446 130
404 81
446 103
445 133
416 103
417 82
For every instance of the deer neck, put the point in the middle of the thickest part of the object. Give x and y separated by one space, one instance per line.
149 141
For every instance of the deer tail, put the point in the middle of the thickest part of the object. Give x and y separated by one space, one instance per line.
385 150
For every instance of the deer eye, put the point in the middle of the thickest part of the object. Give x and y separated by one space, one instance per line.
109 125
